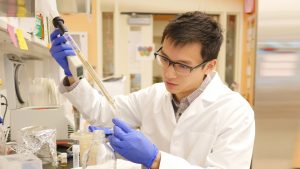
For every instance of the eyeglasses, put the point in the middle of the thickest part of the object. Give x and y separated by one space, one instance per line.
179 68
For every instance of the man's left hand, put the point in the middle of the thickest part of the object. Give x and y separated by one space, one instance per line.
132 144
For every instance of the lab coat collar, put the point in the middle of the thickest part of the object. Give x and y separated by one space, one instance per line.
214 89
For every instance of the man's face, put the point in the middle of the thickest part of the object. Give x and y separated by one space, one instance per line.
190 55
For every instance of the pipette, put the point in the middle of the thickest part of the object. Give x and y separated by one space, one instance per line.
76 67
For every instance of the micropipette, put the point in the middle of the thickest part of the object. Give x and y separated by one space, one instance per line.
75 67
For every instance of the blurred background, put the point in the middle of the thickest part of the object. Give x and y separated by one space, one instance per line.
277 85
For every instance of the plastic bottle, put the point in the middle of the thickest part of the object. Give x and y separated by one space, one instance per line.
75 149
42 20
101 154
39 26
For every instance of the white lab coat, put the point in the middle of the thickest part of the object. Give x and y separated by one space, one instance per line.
215 132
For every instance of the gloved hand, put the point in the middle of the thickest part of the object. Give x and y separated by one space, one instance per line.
60 50
107 131
132 144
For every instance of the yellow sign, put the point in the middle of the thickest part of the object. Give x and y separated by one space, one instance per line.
21 39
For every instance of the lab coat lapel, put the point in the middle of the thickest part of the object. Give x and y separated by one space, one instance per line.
211 93
168 109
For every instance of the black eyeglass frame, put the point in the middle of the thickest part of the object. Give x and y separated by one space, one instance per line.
172 62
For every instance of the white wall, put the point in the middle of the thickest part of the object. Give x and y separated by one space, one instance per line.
174 6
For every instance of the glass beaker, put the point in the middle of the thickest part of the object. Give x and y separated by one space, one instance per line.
85 140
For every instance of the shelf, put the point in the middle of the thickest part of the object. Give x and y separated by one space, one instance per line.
37 48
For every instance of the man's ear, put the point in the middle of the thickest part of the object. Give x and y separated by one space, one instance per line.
210 66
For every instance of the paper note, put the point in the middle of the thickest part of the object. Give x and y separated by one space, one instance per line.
12 35
21 39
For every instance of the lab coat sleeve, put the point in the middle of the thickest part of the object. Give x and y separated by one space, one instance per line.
233 146
96 110
169 161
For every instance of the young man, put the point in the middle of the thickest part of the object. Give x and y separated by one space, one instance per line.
192 120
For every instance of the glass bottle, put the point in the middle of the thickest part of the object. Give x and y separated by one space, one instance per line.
100 153
63 160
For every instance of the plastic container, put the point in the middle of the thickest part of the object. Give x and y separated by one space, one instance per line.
76 151
20 161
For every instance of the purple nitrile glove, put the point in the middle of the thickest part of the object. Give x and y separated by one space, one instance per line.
132 144
107 131
60 50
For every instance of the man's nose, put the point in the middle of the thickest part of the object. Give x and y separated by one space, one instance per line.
170 71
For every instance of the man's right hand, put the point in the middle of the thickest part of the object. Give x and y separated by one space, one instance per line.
60 50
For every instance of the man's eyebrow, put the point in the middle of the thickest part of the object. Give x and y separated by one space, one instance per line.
177 61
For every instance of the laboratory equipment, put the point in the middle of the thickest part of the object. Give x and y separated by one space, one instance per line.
74 65
43 92
75 150
94 150
51 117
20 161
84 138
99 153
17 80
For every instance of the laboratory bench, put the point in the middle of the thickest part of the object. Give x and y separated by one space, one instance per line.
121 164
49 166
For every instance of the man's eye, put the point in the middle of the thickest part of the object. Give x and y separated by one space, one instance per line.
164 59
183 66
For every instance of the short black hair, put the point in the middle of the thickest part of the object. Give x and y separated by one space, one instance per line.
196 27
